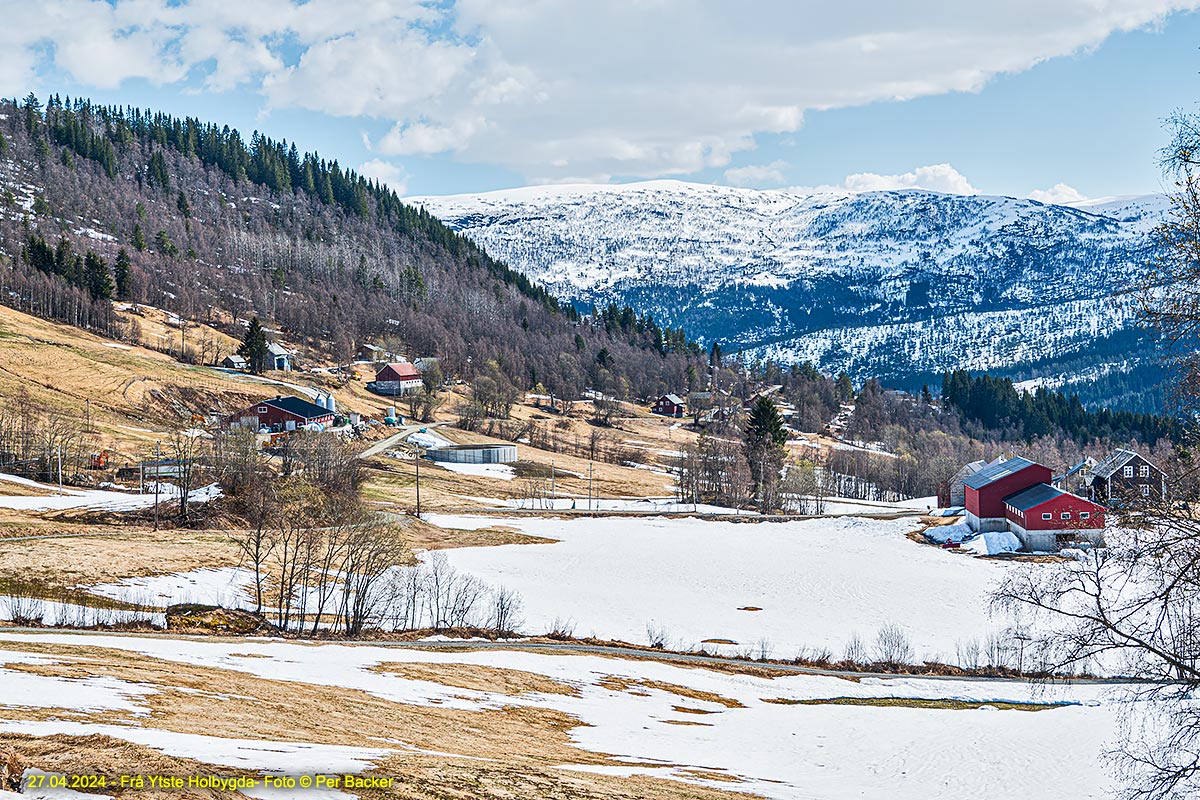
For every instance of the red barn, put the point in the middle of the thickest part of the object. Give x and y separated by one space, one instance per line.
986 490
1045 518
397 379
282 414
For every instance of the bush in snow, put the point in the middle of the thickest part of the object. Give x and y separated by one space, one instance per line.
892 646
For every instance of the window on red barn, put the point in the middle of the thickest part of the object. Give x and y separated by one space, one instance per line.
1047 516
1065 515
1085 515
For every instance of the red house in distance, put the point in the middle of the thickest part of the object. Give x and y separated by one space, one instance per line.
282 414
986 490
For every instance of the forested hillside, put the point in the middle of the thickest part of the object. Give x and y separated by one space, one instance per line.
100 203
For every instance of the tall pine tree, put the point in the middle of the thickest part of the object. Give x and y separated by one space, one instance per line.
121 273
763 441
254 347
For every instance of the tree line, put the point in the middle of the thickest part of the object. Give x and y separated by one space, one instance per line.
996 404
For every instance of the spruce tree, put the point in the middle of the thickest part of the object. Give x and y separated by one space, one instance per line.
763 441
183 206
139 238
121 273
96 278
254 347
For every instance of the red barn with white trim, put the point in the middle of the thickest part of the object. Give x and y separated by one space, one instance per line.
1045 518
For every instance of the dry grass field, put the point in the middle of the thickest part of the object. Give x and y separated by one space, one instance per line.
507 752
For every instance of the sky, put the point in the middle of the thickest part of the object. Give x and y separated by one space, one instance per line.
1059 100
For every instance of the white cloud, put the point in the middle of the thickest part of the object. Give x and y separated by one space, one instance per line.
423 139
385 172
758 175
935 178
1058 194
553 89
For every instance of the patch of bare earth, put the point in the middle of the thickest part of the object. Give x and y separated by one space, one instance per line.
618 684
64 562
477 677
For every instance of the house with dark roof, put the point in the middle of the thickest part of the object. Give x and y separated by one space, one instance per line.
282 413
1045 518
670 405
1126 478
985 491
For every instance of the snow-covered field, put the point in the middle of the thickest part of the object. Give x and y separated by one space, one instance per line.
817 581
222 586
95 499
649 505
756 734
502 472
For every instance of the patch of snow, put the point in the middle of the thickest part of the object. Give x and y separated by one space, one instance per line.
499 471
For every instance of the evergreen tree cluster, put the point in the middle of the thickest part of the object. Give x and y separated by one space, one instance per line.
92 131
210 226
996 404
625 322
87 271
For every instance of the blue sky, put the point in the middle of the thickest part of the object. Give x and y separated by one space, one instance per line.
1063 99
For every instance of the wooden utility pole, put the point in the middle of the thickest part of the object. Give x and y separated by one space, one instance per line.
60 489
589 487
157 477
552 502
418 463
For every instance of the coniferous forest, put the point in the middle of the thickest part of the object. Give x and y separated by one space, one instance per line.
129 204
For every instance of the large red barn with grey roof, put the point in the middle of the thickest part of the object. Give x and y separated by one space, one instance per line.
987 489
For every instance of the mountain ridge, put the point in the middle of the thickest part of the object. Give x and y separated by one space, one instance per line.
928 281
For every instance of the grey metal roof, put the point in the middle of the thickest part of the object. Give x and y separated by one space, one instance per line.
994 472
298 406
1034 496
674 398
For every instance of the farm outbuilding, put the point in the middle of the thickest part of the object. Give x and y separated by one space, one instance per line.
953 492
1046 518
397 379
986 490
474 453
282 414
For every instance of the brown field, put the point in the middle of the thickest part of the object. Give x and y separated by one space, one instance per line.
505 753
62 562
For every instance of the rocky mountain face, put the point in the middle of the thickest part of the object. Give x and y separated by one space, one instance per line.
899 285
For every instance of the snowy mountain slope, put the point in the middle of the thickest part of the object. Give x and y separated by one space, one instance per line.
885 283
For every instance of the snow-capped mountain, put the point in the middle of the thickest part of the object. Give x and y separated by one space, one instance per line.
894 284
